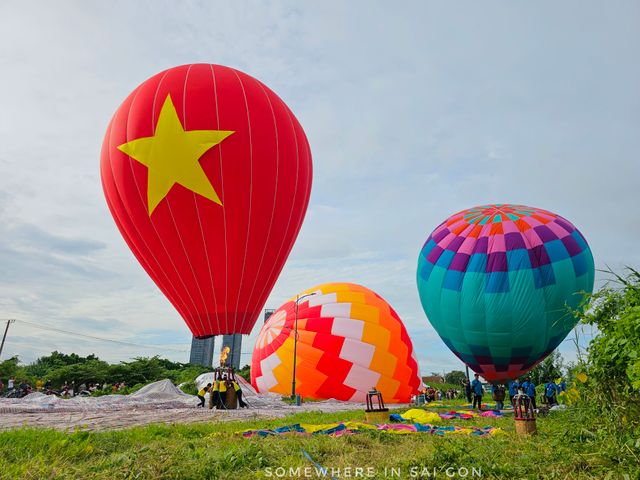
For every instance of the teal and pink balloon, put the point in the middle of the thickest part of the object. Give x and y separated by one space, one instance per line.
500 283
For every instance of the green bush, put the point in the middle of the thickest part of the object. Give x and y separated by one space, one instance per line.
10 369
613 363
609 399
456 377
60 368
189 387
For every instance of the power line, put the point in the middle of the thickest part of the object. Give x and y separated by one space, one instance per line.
121 342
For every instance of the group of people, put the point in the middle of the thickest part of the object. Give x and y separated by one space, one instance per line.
68 389
86 389
474 391
527 388
549 395
24 388
15 389
432 394
224 380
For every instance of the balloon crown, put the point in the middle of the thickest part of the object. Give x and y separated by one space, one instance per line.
497 212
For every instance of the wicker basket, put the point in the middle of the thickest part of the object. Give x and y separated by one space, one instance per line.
231 399
526 426
380 416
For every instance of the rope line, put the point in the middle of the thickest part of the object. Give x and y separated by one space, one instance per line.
122 342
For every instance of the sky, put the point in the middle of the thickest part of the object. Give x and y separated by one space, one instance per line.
413 111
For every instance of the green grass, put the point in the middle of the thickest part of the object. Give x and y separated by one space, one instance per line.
567 446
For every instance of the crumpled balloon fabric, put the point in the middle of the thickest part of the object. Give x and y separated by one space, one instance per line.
485 406
416 415
422 416
350 428
468 414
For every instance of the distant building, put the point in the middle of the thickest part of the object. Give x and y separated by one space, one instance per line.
234 342
202 351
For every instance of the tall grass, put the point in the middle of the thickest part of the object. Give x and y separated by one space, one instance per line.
568 446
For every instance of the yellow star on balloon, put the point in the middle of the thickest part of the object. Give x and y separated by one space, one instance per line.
172 156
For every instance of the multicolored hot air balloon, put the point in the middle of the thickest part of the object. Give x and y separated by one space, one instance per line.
349 341
497 282
207 174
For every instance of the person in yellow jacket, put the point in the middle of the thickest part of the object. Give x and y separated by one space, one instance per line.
218 393
214 395
223 386
223 392
201 393
238 390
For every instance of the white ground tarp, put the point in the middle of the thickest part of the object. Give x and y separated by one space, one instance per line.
162 394
159 402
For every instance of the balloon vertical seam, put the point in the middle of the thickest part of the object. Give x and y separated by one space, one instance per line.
246 244
143 203
224 210
195 204
173 219
295 192
275 194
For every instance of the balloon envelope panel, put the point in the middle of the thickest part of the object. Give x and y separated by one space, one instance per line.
207 174
349 341
497 282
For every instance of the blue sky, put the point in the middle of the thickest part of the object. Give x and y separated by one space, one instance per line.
413 111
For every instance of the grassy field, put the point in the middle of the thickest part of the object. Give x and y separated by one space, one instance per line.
567 446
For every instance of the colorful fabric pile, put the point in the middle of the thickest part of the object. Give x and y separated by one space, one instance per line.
485 406
467 414
350 428
492 414
462 414
416 415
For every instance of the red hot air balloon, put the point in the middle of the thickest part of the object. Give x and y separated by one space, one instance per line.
207 174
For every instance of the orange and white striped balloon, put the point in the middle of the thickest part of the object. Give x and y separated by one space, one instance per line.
350 340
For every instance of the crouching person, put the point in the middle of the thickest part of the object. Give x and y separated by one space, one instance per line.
201 393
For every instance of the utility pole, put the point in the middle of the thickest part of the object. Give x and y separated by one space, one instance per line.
4 337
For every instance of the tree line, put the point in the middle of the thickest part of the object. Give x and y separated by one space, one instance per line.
60 368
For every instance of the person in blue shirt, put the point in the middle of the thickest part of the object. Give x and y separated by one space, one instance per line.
550 392
530 391
476 388
513 390
562 387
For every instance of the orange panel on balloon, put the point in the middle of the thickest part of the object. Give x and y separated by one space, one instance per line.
349 341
